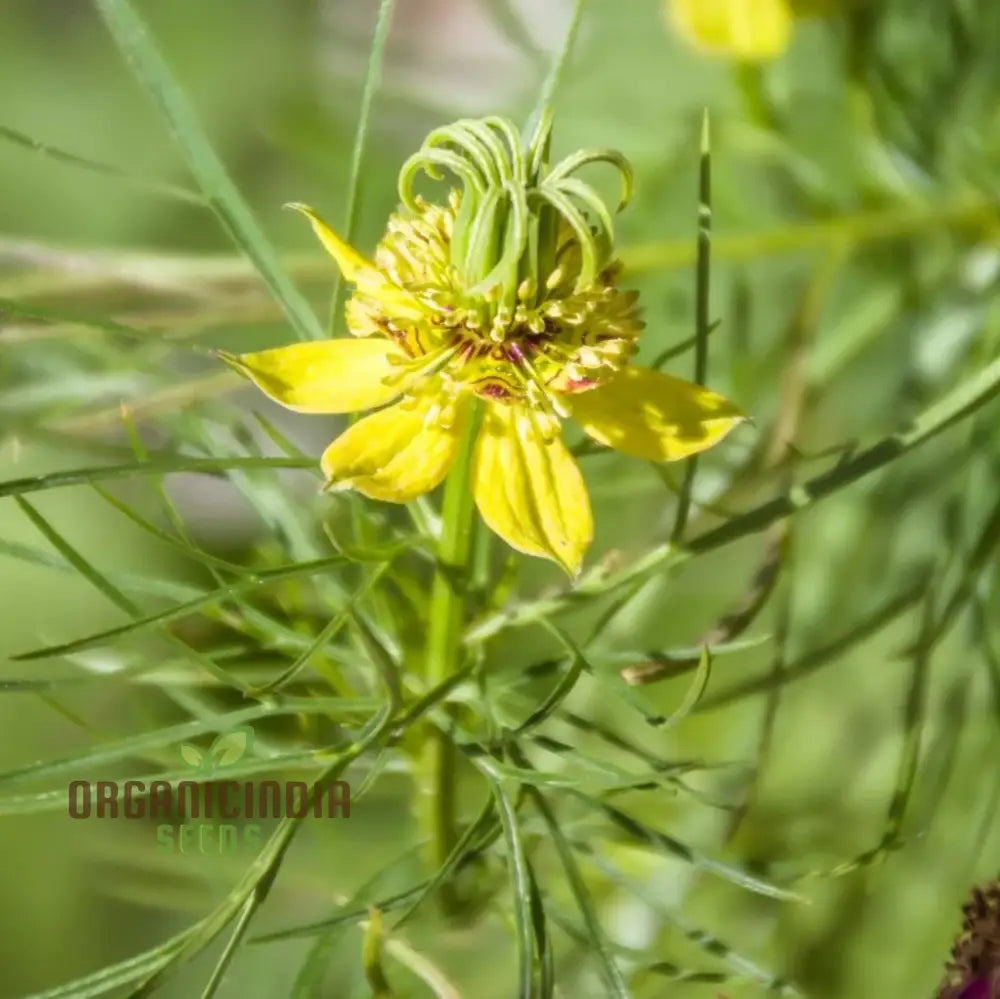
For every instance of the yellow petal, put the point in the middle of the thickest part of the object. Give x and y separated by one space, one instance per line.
746 29
655 416
396 454
399 303
530 491
350 262
325 376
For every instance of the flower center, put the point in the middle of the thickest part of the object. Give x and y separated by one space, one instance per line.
510 290
556 340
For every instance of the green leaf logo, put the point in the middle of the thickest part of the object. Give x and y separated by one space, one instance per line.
228 748
192 756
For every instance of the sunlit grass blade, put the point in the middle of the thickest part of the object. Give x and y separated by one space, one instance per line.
555 698
420 965
273 631
941 770
694 693
396 901
520 880
961 402
374 71
180 544
231 591
140 51
436 695
157 187
326 634
810 662
723 636
156 466
610 972
682 346
886 224
631 747
705 941
75 559
675 660
282 512
309 981
484 826
703 320
166 503
609 778
276 436
123 749
675 973
671 845
115 976
130 582
556 779
543 943
765 738
48 314
104 585
178 396
979 559
558 68
914 712
229 951
637 700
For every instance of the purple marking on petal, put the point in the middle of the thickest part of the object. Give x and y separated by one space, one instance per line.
515 353
979 989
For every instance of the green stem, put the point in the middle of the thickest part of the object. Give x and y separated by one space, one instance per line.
703 322
551 83
444 653
372 76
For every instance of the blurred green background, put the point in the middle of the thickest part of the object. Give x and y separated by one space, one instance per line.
855 276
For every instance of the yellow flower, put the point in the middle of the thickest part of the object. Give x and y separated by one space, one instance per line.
744 29
505 296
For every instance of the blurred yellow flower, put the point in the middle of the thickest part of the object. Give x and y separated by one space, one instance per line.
506 294
743 29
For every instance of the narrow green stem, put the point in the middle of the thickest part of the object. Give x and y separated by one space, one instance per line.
703 324
372 76
554 77
444 653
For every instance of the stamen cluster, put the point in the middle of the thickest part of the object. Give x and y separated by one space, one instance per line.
508 290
